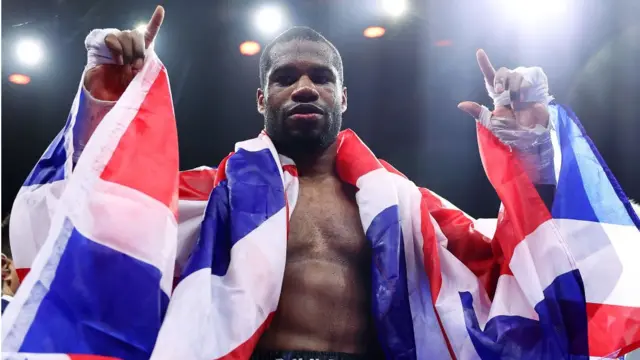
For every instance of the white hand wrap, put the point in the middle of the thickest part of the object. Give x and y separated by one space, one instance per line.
537 92
97 51
532 145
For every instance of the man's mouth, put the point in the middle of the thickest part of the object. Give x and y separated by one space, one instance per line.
305 112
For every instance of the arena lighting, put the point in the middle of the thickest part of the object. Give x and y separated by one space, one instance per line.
29 52
249 48
373 32
142 28
527 11
444 43
269 19
394 7
19 79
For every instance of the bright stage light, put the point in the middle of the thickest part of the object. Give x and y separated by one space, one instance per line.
249 48
269 19
19 79
444 43
142 28
528 11
29 52
373 32
394 7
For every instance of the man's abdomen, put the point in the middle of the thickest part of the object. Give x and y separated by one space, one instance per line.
323 307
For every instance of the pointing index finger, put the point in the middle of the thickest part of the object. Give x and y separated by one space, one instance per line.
485 66
153 26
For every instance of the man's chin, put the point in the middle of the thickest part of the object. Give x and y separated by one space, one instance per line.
308 134
304 140
307 141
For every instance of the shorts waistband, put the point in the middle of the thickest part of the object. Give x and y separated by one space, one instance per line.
303 355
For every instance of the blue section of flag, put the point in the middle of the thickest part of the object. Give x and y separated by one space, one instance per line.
611 179
213 248
391 308
563 313
256 191
587 190
113 312
251 194
50 167
560 333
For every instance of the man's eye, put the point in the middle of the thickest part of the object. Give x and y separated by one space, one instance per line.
321 79
285 80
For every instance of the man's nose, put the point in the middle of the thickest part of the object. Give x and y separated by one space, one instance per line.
305 91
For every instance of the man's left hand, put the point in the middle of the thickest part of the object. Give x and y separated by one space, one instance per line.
522 104
520 118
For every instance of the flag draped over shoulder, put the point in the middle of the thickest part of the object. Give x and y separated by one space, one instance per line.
553 283
106 232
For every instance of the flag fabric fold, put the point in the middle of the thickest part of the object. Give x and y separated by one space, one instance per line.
552 283
101 280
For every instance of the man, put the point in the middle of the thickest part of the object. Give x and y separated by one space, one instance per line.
325 306
325 294
10 281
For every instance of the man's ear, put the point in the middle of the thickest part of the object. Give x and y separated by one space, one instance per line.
344 99
260 100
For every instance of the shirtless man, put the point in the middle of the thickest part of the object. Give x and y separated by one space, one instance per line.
324 310
324 306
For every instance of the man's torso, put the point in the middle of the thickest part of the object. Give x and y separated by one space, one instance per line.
325 299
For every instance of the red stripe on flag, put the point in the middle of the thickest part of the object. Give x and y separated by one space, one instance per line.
430 245
432 258
354 158
434 203
22 273
245 350
475 250
146 158
523 206
91 357
612 328
196 184
504 230
291 169
391 169
221 175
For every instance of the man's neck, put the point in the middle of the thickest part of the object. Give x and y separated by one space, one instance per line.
316 165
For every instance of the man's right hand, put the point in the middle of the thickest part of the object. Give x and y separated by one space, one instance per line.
108 82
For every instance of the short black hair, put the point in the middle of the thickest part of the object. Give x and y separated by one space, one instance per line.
298 33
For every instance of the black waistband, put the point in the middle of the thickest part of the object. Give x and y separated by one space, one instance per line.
303 355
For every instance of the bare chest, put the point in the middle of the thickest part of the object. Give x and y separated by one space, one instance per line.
324 304
325 225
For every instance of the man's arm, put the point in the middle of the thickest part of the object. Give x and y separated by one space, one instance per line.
521 120
110 231
104 80
113 59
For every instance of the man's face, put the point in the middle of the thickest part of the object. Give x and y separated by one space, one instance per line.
10 281
303 98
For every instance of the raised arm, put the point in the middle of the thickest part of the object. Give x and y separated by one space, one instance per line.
113 59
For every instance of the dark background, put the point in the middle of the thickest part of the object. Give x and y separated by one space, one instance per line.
403 88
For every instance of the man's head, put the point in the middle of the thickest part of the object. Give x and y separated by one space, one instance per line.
302 94
10 280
